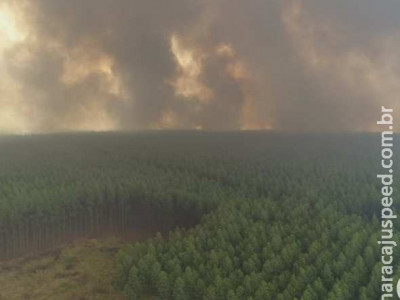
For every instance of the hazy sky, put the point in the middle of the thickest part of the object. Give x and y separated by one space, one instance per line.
319 65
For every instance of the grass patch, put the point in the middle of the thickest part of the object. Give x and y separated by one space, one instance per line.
78 271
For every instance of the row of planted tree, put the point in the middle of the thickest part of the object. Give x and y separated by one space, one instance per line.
279 216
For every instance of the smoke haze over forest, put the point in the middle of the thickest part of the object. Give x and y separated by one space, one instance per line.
205 64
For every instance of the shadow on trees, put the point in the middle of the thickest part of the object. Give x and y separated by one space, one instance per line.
132 222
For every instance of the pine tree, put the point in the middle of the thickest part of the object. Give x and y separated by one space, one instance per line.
179 292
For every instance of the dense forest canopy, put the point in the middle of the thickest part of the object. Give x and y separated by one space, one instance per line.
273 215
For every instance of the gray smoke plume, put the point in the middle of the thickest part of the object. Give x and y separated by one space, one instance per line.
212 64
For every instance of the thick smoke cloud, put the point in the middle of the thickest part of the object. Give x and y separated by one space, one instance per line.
212 64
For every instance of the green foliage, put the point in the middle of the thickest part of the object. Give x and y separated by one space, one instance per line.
277 216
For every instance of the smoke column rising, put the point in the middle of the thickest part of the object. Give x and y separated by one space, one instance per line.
206 64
